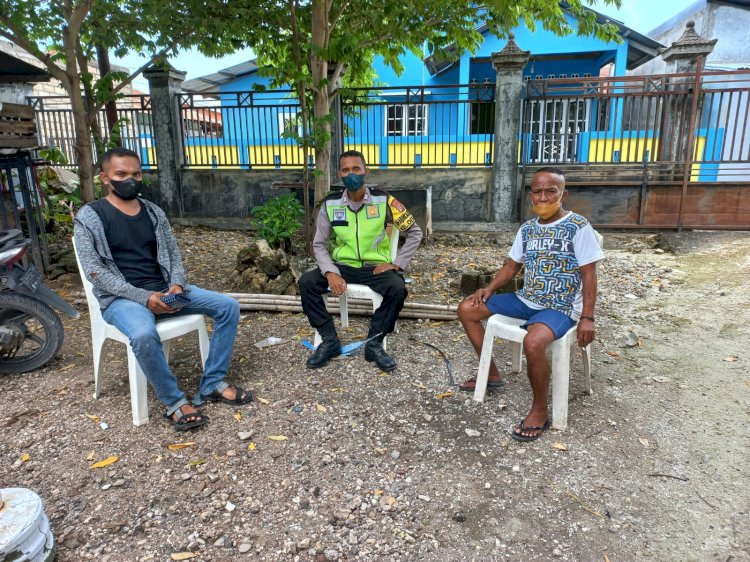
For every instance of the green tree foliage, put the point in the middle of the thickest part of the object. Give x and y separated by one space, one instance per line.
312 43
65 34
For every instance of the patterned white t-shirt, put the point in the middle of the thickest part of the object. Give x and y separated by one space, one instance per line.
552 255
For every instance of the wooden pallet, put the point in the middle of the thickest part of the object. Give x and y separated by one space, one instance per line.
17 126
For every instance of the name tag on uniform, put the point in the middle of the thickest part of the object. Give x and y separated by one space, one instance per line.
373 212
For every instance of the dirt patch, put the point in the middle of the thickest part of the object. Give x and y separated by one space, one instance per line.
377 467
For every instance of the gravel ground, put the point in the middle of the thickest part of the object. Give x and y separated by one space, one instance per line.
349 463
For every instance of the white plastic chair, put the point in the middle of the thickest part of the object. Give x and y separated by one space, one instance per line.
505 327
168 328
363 292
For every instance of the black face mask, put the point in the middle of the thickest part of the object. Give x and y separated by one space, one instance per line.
126 189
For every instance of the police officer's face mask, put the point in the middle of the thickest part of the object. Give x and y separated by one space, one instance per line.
354 182
126 189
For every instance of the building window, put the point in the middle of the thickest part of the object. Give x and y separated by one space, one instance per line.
406 120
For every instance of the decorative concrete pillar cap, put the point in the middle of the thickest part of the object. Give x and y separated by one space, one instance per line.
156 72
689 46
511 56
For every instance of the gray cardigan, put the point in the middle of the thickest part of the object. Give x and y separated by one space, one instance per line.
99 267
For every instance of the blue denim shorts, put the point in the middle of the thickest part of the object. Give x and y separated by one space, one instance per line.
508 304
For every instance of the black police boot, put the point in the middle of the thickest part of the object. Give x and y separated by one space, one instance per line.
328 348
374 352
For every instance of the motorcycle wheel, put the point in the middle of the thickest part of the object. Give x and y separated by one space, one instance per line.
42 328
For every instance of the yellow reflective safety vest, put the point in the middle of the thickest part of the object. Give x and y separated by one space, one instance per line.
360 238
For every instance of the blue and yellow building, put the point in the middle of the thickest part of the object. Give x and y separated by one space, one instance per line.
438 112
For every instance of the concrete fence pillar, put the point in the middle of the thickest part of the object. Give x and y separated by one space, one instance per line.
509 64
682 58
168 143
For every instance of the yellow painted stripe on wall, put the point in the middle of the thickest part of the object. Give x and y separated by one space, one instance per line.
370 151
631 150
202 156
438 153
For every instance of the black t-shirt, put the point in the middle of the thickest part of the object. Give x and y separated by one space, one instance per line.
132 242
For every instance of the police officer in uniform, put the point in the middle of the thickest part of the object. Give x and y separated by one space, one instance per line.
356 220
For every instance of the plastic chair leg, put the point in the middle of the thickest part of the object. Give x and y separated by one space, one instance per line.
516 356
138 388
586 351
344 307
483 373
560 380
97 345
204 343
166 346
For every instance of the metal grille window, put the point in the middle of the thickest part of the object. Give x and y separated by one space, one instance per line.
406 119
554 126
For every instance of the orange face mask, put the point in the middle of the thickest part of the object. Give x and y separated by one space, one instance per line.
546 211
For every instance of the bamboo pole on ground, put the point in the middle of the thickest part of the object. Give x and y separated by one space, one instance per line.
360 307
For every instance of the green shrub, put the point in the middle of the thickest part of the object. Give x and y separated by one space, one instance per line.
277 220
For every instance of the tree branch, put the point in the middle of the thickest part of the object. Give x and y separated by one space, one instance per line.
337 17
335 78
79 14
384 36
88 93
143 67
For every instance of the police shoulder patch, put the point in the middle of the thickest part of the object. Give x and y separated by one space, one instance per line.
402 219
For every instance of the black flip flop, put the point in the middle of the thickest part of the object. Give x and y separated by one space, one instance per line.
181 423
527 438
463 387
237 401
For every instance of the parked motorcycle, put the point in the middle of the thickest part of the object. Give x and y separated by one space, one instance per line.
31 332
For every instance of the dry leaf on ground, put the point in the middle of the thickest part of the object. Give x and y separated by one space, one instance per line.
105 462
184 555
178 446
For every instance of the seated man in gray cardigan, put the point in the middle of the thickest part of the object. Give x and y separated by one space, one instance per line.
128 251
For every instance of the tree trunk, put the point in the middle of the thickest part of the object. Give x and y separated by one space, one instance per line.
83 150
321 108
102 57
321 98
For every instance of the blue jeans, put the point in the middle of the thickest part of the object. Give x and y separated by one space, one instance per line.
138 323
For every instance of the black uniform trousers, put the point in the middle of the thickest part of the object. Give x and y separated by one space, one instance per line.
390 284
